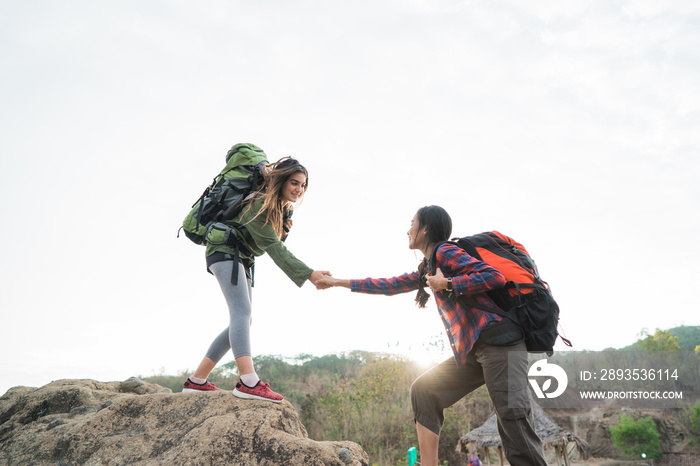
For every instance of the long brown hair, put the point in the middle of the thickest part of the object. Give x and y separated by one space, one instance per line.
275 175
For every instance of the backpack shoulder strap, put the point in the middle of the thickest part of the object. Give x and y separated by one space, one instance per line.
432 261
468 243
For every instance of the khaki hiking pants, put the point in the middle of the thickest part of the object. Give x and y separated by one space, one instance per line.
445 384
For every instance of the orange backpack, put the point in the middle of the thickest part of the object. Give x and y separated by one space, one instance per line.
525 299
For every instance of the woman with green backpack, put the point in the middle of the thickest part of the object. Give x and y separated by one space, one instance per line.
260 227
476 360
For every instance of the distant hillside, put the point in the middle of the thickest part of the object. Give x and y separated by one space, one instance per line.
688 337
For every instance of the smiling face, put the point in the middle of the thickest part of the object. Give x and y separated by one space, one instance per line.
294 187
416 234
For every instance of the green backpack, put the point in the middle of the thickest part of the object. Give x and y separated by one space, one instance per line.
222 200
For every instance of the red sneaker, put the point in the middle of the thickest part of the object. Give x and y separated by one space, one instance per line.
195 387
261 391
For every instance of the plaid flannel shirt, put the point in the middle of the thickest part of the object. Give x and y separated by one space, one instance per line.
470 276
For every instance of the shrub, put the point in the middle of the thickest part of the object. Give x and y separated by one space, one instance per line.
637 439
694 423
371 408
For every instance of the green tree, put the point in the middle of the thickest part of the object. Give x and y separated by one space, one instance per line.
661 340
637 438
372 408
695 422
688 336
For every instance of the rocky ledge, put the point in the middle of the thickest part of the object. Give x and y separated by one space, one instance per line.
70 422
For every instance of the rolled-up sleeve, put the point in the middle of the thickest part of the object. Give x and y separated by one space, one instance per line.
266 239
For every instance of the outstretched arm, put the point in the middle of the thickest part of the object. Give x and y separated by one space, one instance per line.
386 286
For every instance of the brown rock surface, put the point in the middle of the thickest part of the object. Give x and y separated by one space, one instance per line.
87 422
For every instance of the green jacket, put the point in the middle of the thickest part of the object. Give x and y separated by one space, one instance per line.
258 239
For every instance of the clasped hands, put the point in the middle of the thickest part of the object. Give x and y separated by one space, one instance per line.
318 277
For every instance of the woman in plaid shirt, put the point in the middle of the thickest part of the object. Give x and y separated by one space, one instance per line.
477 361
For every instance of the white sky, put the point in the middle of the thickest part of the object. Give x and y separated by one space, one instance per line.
571 126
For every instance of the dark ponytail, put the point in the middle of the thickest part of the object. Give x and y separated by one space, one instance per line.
422 296
439 228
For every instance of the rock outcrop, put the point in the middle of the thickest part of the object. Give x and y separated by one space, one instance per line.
71 422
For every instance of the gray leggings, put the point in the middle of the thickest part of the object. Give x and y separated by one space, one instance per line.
239 299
